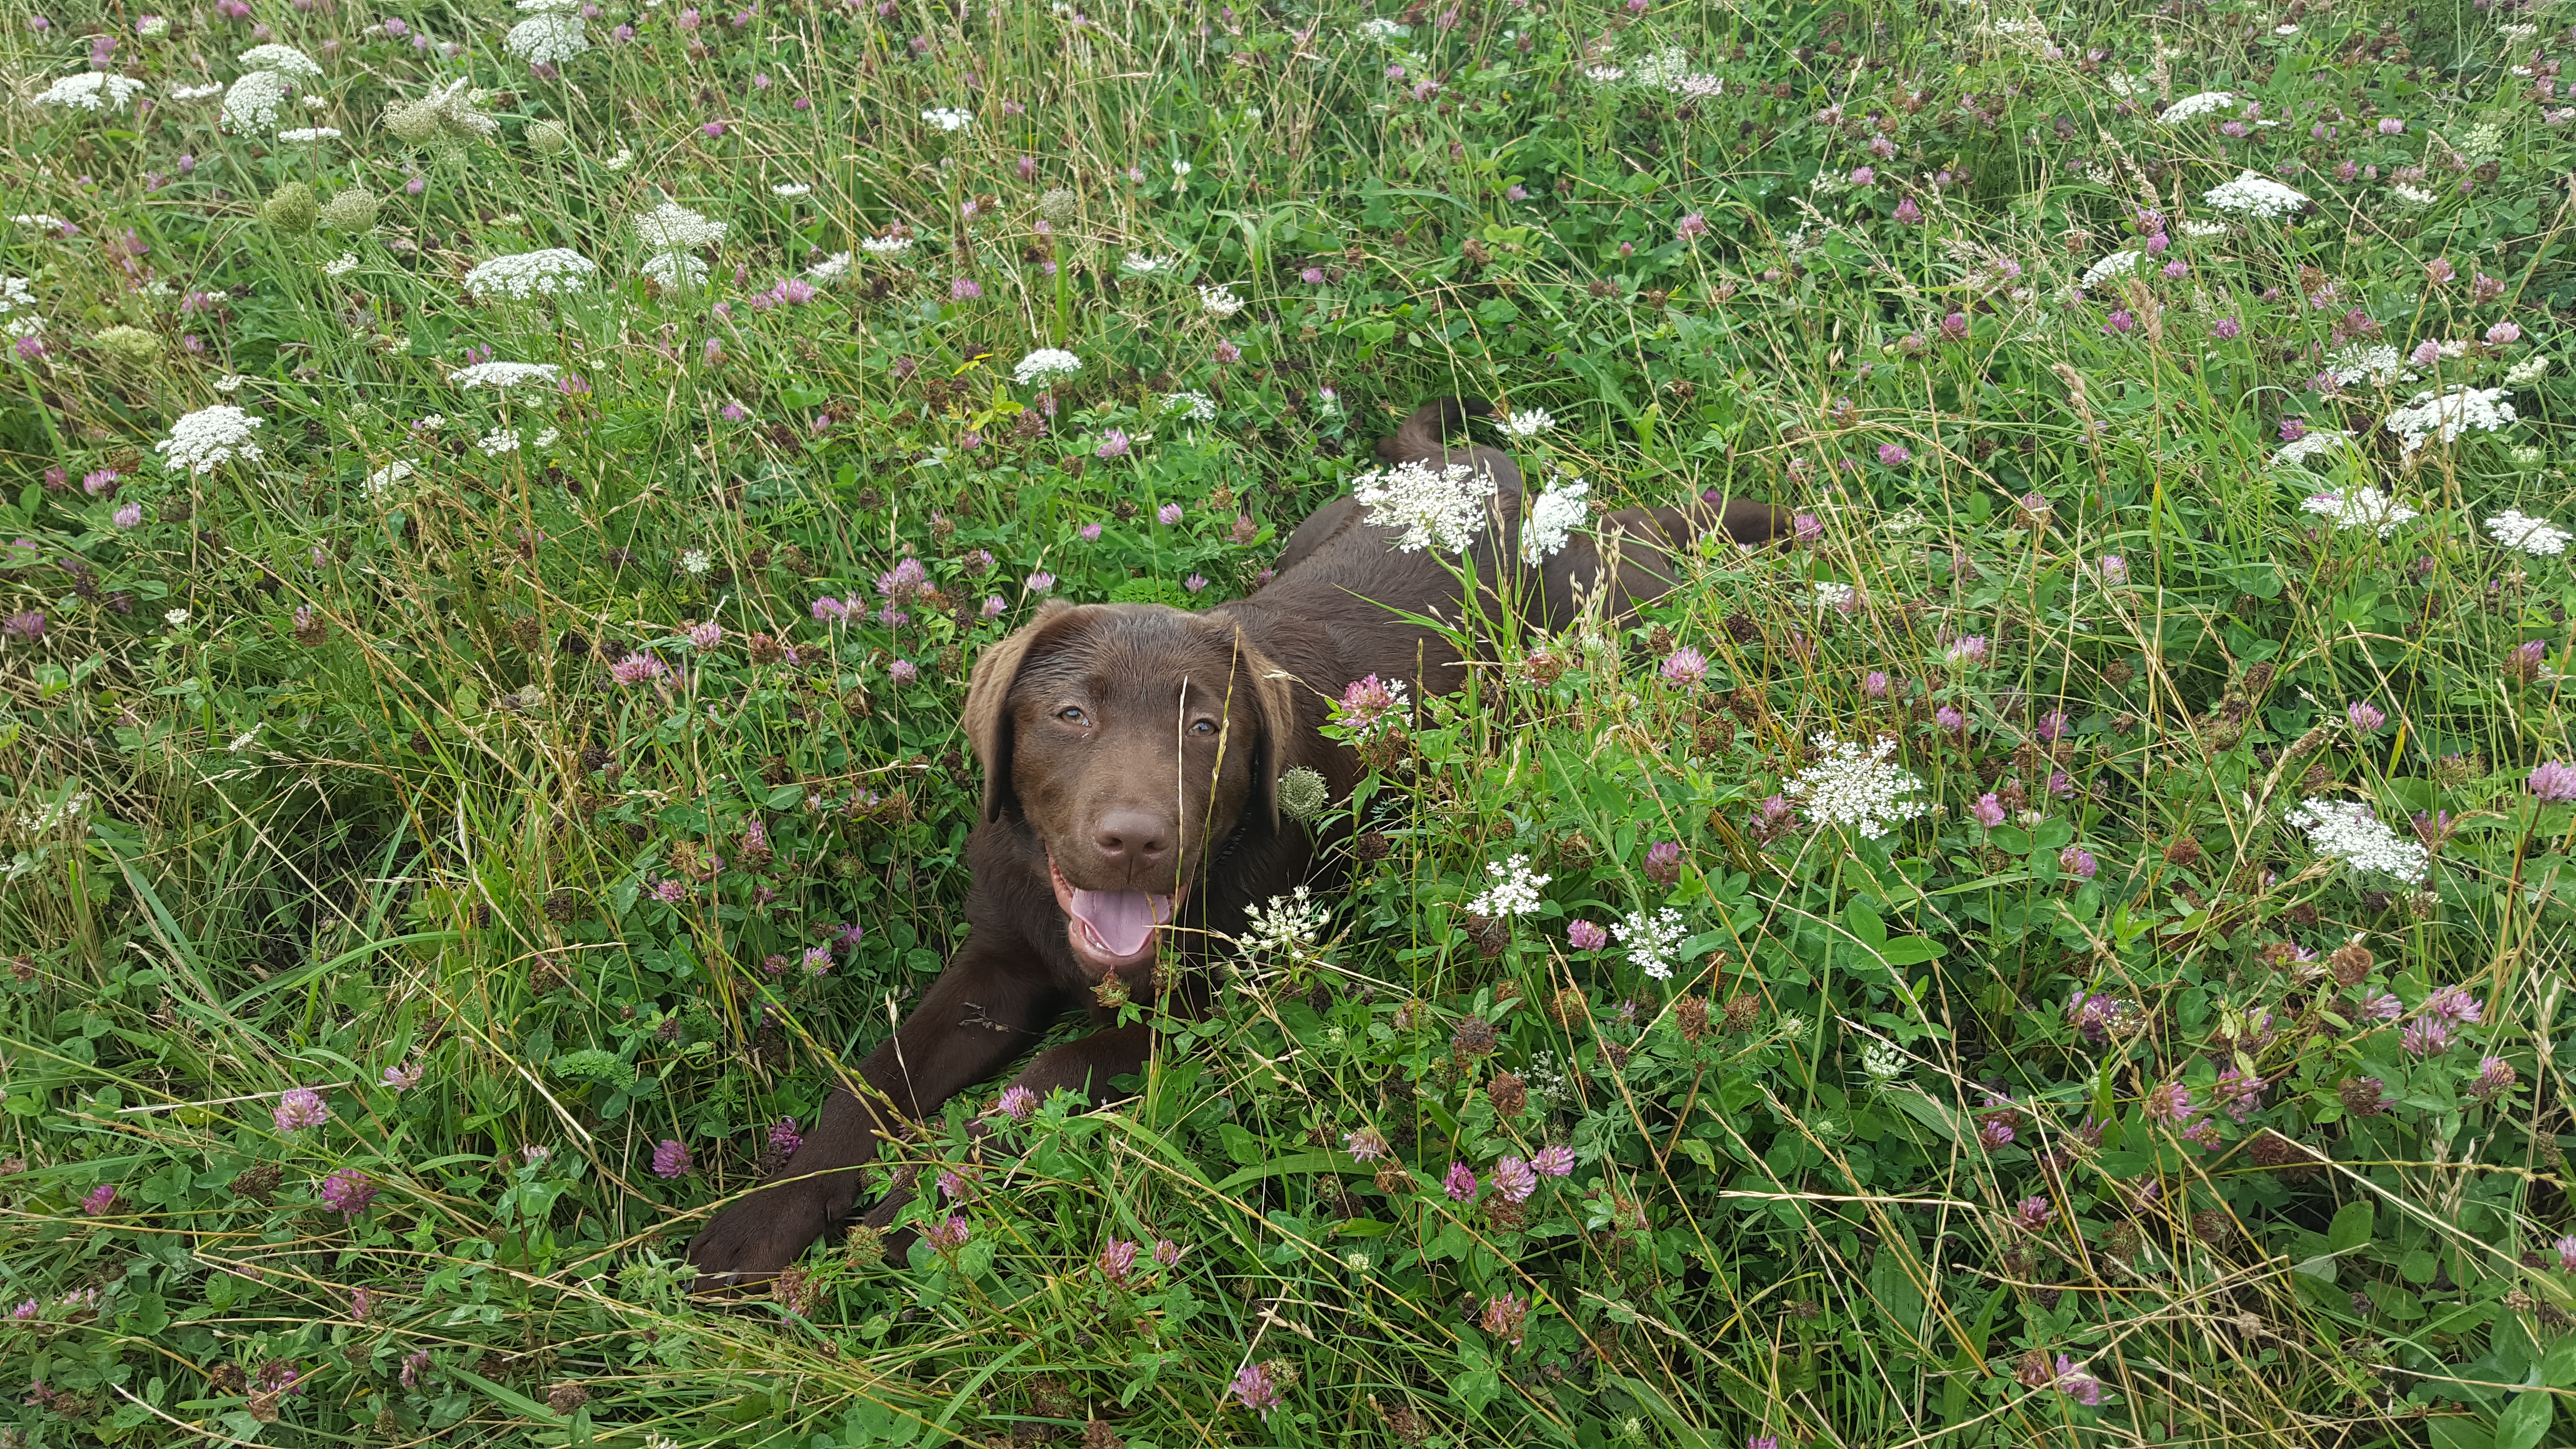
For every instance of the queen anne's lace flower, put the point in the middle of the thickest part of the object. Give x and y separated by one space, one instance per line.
1514 891
1146 264
1219 301
891 245
949 118
2117 264
547 39
196 93
91 90
1856 787
831 268
1652 940
1553 518
310 133
2362 507
1193 407
207 439
2313 445
548 272
2192 108
2346 832
2376 363
1527 422
384 479
1045 367
2534 536
2255 195
503 374
2448 413
671 227
1434 508
674 269
254 100
285 60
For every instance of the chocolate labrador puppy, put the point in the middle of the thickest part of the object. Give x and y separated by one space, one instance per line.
1131 756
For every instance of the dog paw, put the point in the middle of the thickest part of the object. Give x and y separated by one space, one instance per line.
754 1240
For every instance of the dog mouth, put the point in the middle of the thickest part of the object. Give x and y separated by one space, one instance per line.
1111 929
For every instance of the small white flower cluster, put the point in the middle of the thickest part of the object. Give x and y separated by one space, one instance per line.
1558 511
254 99
791 189
2376 363
2256 195
1435 508
1045 367
91 90
522 275
2535 536
893 244
2117 264
1834 596
1514 891
671 227
1527 422
1219 301
208 438
2449 413
673 269
286 60
196 93
310 133
341 265
2345 831
2315 445
383 480
2363 507
503 374
1288 926
1652 940
2192 108
2527 371
831 269
2195 227
499 441
1192 407
1857 787
1381 29
949 118
14 295
1882 1063
547 39
1146 264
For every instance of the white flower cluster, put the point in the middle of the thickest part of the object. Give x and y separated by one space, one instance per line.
831 269
2377 363
503 374
671 227
2117 264
1434 508
522 275
674 269
196 93
1834 596
1045 367
1145 264
2195 227
1219 301
1381 29
2535 536
2192 108
1288 925
498 441
894 245
341 265
792 189
1193 407
2449 413
2363 507
15 294
2345 831
2256 196
1514 891
285 60
2314 445
1882 1062
254 100
1527 422
1560 510
547 39
310 133
949 118
1857 787
1652 940
384 479
207 439
91 90
2527 371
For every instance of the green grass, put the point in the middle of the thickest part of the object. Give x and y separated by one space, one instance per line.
311 779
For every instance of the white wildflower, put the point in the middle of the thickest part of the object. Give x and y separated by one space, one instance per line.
1220 301
551 7
1831 595
886 246
2527 371
342 266
1435 509
430 423
2413 195
2534 536
674 269
1558 511
230 382
1527 422
1181 169
619 162
310 133
2121 83
316 103
2285 29
196 93
498 441
1882 1063
208 438
548 39
1381 29
1195 407
2192 108
1514 891
283 59
1046 366
548 272
696 561
14 294
671 227
791 189
1856 787
831 269
254 100
2117 264
1288 925
2316 444
2449 413
1605 74
503 374
949 118
2346 832
176 618
2362 507
91 90
2518 32
1652 940
2195 227
1142 264
2526 456
2377 363
2255 196
548 438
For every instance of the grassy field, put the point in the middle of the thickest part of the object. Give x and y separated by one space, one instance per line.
501 505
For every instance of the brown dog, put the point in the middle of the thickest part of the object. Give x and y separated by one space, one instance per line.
1132 755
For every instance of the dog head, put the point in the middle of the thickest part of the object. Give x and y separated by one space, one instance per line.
1132 739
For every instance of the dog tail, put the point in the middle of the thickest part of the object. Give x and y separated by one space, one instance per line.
1423 434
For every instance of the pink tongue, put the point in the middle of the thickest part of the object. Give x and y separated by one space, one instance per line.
1123 920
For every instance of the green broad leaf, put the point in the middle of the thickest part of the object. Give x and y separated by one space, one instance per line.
1281 1166
2558 1366
1240 1145
2525 1419
1909 951
2010 839
785 797
1863 919
2052 835
2350 1229
508 1397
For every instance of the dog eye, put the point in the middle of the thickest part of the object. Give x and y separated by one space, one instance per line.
1204 727
1072 714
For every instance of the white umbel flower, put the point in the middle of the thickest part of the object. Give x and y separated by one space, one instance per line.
2363 507
341 266
671 227
1382 30
949 118
310 133
196 93
2527 371
1192 407
208 438
674 269
1146 264
1514 891
893 245
2535 536
253 101
1857 787
547 39
1652 940
2315 445
503 374
1553 518
1433 508
1527 422
497 442
1830 595
2376 363
91 90
552 271
1882 1063
1219 301
2255 195
1045 367
2192 108
284 60
831 269
2117 264
2449 413
791 189
384 479
2346 832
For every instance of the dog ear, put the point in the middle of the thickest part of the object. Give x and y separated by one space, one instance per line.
988 712
1274 694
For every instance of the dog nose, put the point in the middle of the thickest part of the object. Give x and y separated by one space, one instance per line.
1132 838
